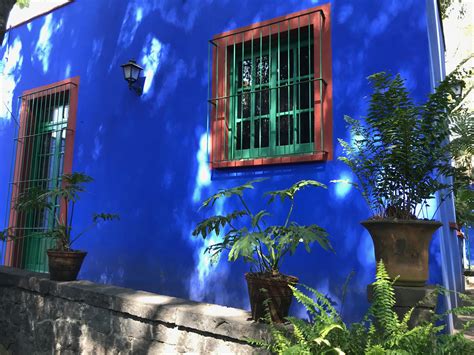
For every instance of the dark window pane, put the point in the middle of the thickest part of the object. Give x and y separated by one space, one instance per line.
262 103
243 105
306 95
305 66
262 136
243 135
286 104
284 130
245 73
285 70
262 70
306 127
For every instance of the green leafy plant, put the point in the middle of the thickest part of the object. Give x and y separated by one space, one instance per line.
66 195
245 234
380 331
400 149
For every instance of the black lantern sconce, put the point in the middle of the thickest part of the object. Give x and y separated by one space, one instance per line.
131 73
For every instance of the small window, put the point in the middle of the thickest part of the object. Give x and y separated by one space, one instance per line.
271 92
44 148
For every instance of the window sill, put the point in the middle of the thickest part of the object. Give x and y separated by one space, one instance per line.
317 156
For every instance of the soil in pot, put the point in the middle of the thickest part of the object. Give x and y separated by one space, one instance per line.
65 265
263 286
403 245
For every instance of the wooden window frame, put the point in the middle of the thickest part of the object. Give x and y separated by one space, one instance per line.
220 151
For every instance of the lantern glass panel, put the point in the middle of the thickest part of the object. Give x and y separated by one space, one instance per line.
127 72
135 73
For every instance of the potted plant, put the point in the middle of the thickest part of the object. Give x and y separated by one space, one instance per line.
64 262
246 235
398 154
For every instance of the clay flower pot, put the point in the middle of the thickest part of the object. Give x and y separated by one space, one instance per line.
403 245
274 288
65 265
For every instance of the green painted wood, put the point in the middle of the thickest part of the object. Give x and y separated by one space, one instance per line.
258 88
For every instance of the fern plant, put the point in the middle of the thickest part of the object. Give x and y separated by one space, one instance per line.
380 331
66 195
245 234
400 149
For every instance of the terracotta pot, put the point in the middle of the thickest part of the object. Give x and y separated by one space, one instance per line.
65 265
265 286
403 246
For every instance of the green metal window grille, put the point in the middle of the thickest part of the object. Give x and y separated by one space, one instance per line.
271 102
262 91
40 147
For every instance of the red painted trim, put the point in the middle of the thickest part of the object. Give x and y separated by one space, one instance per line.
319 156
40 15
13 251
220 113
276 20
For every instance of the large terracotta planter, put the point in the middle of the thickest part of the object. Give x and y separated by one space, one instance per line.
274 288
65 265
403 246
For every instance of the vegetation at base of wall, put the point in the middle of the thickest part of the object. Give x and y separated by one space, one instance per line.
380 332
400 149
39 200
246 235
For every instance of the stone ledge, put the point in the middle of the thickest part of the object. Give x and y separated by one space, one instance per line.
194 316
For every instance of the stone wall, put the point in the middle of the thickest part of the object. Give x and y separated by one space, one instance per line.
39 316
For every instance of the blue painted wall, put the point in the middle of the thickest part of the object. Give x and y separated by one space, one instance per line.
148 154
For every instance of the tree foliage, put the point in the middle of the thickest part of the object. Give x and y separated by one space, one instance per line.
246 235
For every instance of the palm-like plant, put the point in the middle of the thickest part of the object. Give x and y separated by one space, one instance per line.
66 196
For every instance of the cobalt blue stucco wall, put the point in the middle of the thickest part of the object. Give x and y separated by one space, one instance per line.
148 154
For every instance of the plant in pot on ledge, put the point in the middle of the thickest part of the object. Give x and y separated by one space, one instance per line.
64 263
398 154
246 235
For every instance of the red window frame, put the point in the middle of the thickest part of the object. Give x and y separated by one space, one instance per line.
220 86
12 253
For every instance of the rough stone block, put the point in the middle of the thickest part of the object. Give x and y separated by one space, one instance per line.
41 316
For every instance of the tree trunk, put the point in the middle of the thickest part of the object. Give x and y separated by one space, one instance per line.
5 7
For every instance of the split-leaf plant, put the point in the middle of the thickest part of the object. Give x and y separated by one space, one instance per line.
66 196
380 332
245 233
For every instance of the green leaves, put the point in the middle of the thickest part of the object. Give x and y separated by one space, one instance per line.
380 332
235 191
66 194
102 217
292 190
214 224
399 149
246 235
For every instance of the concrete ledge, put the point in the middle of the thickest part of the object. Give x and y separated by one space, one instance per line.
156 313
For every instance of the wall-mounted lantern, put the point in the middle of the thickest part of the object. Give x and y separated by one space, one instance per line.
131 73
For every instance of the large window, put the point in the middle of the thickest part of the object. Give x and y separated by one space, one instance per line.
271 92
44 148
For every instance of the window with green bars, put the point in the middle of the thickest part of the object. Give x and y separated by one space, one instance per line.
269 89
43 153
